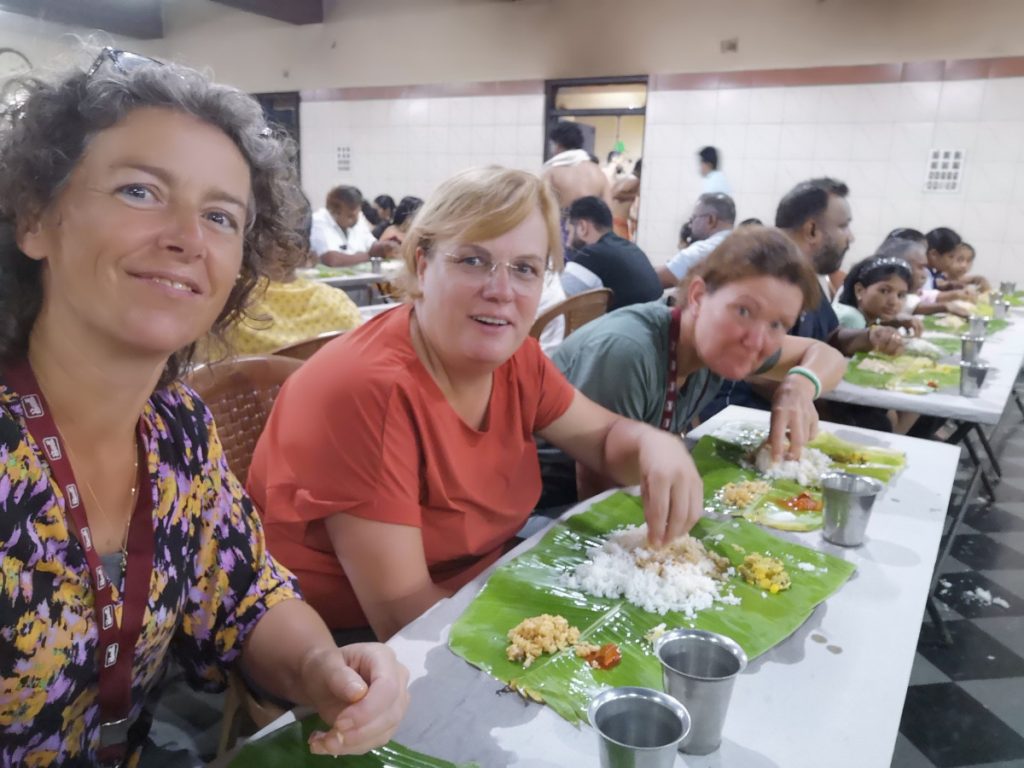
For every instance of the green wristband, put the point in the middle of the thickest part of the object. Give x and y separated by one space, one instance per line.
808 374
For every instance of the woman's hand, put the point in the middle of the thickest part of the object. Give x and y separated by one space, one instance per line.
672 489
793 416
360 691
885 340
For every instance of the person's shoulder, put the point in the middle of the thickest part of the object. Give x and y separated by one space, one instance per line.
634 325
11 430
371 360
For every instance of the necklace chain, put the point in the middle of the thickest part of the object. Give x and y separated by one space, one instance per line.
95 498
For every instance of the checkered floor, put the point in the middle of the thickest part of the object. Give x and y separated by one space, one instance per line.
965 702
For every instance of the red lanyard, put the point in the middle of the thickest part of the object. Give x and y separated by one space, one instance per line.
116 646
671 390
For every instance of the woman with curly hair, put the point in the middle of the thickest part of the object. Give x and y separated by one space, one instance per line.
139 205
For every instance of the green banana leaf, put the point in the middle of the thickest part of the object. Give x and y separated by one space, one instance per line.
534 583
948 344
325 271
288 747
913 375
944 323
721 462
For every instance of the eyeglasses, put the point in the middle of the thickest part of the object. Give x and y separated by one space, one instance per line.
525 274
122 61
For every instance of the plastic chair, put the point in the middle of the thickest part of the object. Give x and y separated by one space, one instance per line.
303 350
240 393
578 310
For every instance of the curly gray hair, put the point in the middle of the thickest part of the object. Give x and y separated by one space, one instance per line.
45 127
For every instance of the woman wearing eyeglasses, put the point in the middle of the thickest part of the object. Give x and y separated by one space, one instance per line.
137 202
399 461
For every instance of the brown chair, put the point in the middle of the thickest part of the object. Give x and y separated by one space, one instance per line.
578 310
238 701
240 393
303 350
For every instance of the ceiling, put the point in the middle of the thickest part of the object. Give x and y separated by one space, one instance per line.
143 19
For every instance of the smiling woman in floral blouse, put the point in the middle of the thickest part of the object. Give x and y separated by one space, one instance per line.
136 201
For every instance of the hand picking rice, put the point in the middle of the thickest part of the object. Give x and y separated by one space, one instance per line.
806 471
538 635
745 493
683 576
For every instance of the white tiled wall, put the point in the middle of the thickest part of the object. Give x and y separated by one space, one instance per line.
407 146
874 137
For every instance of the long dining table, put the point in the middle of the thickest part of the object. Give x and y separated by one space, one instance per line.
830 694
1004 353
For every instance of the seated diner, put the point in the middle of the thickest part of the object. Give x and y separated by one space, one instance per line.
125 540
399 461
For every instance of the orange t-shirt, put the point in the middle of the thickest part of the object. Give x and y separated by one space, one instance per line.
362 428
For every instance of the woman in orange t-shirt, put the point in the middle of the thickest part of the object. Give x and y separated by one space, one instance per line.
399 460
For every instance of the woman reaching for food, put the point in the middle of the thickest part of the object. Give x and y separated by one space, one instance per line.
399 461
137 201
663 365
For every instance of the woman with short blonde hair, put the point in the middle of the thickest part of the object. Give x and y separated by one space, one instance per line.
399 461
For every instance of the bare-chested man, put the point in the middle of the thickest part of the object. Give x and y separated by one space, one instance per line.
571 171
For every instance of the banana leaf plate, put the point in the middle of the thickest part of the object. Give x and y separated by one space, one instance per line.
783 504
535 583
948 344
945 323
903 373
287 746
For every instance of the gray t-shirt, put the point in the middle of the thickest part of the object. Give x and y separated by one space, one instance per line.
621 362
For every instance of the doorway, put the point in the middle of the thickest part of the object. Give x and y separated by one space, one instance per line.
611 112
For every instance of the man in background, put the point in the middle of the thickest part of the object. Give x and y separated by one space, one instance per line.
341 236
570 170
816 215
711 221
603 259
714 179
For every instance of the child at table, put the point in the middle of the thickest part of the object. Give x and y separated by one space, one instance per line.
958 277
873 292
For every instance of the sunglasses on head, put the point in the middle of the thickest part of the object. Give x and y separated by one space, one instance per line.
122 61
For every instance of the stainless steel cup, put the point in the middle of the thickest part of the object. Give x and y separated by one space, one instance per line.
1000 309
375 264
699 669
970 347
638 727
995 297
972 376
977 325
1007 287
848 501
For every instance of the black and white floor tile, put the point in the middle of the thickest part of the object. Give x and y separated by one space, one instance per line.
965 703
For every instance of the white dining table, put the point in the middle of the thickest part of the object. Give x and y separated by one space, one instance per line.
1003 351
830 694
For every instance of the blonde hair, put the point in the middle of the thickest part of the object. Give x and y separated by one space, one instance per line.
479 204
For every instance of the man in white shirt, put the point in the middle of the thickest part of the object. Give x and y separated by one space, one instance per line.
341 236
711 222
714 179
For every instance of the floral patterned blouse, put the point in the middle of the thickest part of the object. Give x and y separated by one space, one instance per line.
212 581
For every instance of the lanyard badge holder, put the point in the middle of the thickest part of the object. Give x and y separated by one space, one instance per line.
116 644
